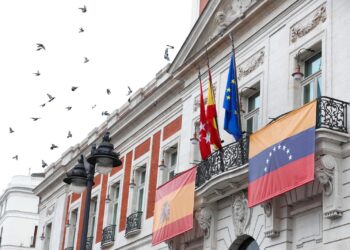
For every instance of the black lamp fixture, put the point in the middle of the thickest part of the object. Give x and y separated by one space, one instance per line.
81 178
194 139
297 74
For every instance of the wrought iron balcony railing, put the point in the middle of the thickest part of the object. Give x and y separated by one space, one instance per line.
133 223
331 114
231 156
108 235
89 243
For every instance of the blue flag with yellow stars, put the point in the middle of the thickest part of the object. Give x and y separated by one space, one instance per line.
231 105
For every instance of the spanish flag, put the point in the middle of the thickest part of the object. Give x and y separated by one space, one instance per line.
282 155
173 212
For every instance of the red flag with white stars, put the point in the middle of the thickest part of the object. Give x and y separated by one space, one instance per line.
204 136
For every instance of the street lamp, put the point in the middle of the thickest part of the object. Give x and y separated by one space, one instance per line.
104 159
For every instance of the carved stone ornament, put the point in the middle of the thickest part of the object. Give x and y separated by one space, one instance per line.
251 64
267 206
324 172
302 28
241 214
50 210
203 216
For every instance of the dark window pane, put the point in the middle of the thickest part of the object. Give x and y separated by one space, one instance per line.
313 65
254 102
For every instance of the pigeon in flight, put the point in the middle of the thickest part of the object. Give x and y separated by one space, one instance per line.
83 9
51 98
129 91
15 157
11 130
53 146
94 106
69 135
35 118
37 73
69 108
40 46
81 30
105 113
108 91
166 52
86 60
43 105
129 100
74 88
170 46
43 164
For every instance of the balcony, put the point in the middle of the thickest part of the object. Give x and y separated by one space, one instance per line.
331 115
69 248
133 224
108 235
89 243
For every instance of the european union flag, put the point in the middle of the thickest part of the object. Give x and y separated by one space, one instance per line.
231 105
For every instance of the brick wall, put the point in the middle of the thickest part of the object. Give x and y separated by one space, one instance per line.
142 148
172 128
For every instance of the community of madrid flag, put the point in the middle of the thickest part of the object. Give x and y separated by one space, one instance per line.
173 211
231 104
212 116
281 155
204 137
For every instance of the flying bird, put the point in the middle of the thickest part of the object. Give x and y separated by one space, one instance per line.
53 146
166 52
81 30
170 46
43 164
94 106
11 130
69 108
74 88
108 91
15 157
86 60
51 98
129 91
105 113
83 9
69 135
129 100
35 118
37 73
40 46
43 105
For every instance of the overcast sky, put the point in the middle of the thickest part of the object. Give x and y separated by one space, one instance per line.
125 43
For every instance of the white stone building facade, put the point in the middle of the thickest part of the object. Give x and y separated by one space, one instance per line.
271 39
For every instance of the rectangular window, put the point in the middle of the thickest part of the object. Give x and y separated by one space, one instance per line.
141 188
170 158
252 115
92 220
312 83
72 228
115 202
47 236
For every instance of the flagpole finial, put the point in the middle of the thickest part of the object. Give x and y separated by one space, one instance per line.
232 43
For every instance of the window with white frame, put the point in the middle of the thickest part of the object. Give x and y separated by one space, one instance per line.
170 158
251 108
47 236
141 179
312 84
115 190
72 228
92 220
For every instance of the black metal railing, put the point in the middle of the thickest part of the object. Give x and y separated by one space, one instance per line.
69 248
89 243
108 235
332 114
133 223
231 156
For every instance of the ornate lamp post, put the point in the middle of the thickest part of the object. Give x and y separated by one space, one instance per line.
104 160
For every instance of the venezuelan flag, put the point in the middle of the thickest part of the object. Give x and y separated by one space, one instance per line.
173 212
281 155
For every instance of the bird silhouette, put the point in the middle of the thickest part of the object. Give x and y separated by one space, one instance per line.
166 52
74 88
35 118
86 60
129 100
43 164
69 108
108 91
37 73
51 98
69 135
15 157
170 46
83 9
94 106
105 113
43 105
129 91
40 46
11 130
81 30
53 146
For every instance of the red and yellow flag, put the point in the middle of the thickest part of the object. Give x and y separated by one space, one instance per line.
212 116
173 211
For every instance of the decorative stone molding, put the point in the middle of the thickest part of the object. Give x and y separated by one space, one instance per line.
251 64
302 28
241 213
204 217
267 208
324 172
271 219
50 210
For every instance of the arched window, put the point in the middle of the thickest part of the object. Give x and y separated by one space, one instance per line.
249 244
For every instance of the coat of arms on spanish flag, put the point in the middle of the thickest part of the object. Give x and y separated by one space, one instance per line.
173 211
